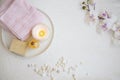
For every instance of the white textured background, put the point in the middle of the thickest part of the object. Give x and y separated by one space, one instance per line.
73 40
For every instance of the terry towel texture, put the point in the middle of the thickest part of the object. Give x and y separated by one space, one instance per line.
19 17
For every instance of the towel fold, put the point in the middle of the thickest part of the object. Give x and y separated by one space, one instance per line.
19 17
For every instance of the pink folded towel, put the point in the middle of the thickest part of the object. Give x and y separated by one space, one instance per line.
19 17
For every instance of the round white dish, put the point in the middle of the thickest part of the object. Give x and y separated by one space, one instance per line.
7 38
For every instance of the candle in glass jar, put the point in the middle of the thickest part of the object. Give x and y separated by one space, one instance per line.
40 32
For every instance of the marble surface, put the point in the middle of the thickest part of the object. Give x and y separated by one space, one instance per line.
74 40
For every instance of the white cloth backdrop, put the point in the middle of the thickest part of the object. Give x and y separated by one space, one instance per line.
74 40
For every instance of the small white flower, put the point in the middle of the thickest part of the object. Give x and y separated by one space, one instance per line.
91 2
117 34
116 26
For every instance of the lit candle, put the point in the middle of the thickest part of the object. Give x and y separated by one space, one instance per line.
40 32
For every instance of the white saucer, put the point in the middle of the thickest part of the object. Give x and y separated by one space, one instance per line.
7 38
